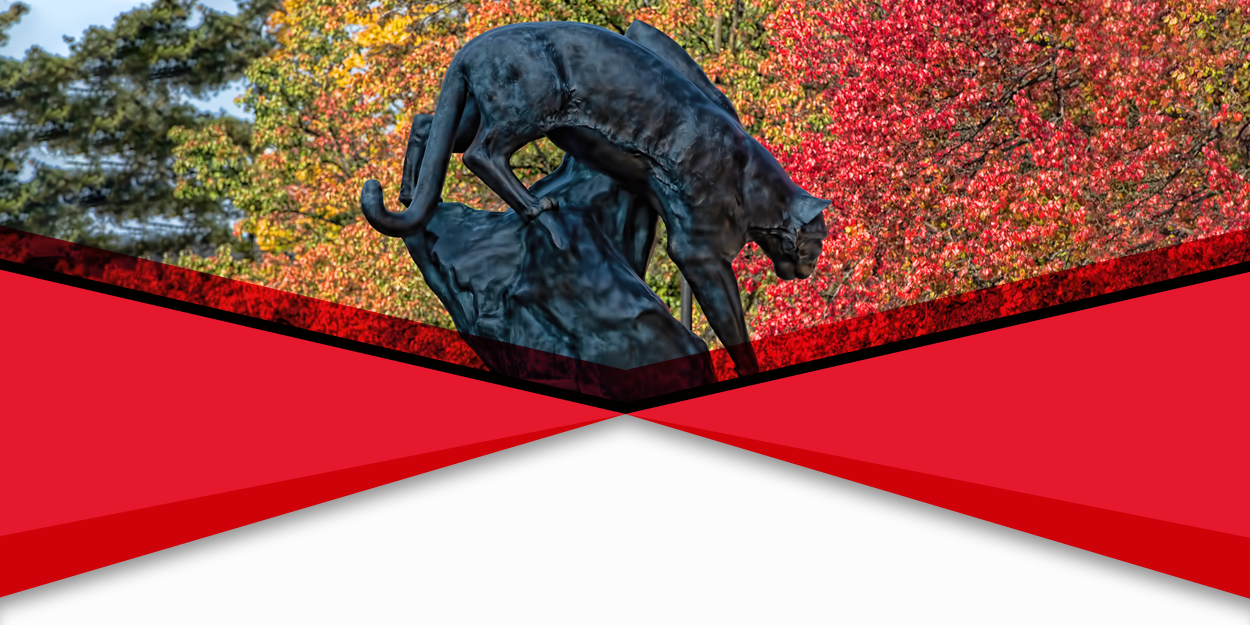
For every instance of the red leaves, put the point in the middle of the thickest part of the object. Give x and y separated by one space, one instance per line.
969 143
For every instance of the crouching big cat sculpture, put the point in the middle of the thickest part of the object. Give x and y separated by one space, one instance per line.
646 136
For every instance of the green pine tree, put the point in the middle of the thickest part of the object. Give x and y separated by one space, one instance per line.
85 153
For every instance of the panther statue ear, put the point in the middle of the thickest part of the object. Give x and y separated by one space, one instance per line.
804 208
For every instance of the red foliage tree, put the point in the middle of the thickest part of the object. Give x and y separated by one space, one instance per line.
968 143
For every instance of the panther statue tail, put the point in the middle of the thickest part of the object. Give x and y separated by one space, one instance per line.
451 102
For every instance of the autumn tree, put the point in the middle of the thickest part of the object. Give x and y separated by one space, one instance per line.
332 106
970 143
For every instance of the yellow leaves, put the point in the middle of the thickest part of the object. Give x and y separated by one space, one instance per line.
287 19
268 235
379 27
394 31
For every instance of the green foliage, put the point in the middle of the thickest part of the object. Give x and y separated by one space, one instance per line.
9 18
105 112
